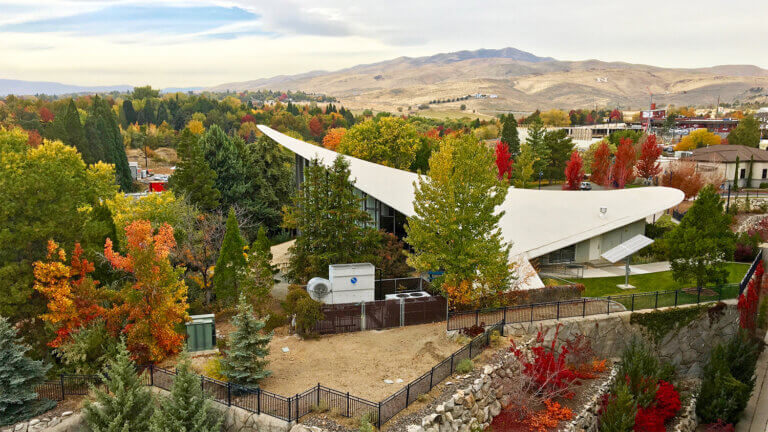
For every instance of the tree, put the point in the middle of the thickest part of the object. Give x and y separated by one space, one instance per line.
747 133
193 177
18 377
509 134
316 126
648 165
703 243
73 297
560 147
696 139
333 138
555 117
258 277
601 165
46 116
392 257
225 159
332 226
538 146
389 141
126 405
227 275
104 137
128 113
455 226
683 175
248 347
68 128
623 169
503 161
188 408
154 299
523 167
574 172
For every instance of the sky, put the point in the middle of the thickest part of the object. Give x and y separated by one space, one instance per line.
179 43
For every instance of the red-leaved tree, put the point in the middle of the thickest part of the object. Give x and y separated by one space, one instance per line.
503 160
46 115
601 165
574 172
648 165
623 170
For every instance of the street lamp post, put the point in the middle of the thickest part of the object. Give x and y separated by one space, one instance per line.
541 174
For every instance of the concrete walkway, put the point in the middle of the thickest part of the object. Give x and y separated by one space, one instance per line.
755 417
619 270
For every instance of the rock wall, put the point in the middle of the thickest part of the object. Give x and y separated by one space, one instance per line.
687 421
66 422
587 420
686 347
240 420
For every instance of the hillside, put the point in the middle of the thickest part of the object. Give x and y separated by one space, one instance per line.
21 87
522 81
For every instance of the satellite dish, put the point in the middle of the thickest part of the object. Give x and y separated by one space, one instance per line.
319 288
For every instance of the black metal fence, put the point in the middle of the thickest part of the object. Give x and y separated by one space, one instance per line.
290 408
589 306
751 271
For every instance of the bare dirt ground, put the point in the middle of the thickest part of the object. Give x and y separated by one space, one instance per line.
166 158
357 362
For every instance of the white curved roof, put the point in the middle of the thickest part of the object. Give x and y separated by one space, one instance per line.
535 222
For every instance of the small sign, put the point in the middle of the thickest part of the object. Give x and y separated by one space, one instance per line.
353 280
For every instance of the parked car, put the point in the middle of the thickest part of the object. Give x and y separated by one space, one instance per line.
585 186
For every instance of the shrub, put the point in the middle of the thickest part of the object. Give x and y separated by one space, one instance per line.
762 313
308 313
474 330
549 417
320 407
465 366
495 338
547 369
722 397
365 423
642 370
212 369
763 185
274 321
619 412
660 322
720 426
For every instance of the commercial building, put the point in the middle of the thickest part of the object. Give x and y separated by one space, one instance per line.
749 164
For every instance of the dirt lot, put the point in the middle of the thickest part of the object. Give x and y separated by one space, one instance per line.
357 362
161 164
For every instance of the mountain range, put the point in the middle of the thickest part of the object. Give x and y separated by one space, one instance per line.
21 87
519 81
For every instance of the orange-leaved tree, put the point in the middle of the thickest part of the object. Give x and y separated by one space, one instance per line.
73 298
601 165
623 169
333 138
648 165
155 301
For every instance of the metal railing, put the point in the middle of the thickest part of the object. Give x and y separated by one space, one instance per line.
751 271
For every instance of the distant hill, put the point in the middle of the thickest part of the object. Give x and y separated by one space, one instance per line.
520 81
19 87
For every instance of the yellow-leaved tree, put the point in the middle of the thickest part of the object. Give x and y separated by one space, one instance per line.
696 139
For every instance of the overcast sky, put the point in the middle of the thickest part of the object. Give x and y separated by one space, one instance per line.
206 42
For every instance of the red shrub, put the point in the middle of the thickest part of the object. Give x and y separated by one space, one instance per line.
720 426
649 420
667 400
548 370
474 330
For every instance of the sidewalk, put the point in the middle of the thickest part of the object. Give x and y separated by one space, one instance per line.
755 417
619 270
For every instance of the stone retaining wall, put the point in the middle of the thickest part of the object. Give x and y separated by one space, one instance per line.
66 422
587 420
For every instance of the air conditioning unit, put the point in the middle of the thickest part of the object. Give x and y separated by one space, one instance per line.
319 289
346 283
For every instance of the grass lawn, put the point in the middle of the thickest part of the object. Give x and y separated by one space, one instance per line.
662 281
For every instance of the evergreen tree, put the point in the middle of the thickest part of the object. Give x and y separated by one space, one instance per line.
193 177
619 414
456 225
228 273
67 128
560 147
187 408
18 377
333 228
126 405
248 348
129 113
703 243
538 145
225 159
103 133
509 134
162 114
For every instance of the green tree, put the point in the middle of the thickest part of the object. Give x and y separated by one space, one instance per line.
509 134
619 414
225 158
228 273
18 377
560 147
333 228
145 92
538 146
248 348
703 243
268 170
747 133
68 128
188 408
126 405
522 169
103 134
389 141
455 226
193 177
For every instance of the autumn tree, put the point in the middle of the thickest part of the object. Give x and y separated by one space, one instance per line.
648 165
683 175
392 259
154 299
455 226
601 165
623 169
747 133
574 172
696 139
332 226
316 126
389 141
73 297
503 161
333 137
523 167
555 117
509 135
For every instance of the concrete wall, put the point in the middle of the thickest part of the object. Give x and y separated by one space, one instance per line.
591 249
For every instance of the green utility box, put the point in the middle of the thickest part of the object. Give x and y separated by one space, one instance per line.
201 332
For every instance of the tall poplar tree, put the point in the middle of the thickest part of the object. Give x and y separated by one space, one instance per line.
509 134
456 225
228 273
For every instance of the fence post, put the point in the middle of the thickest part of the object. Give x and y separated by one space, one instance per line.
258 400
504 319
477 317
698 296
452 363
432 373
407 393
151 375
61 378
531 312
608 305
632 308
297 407
378 419
584 309
289 409
558 311
470 356
347 404
656 306
719 293
229 394
676 293
318 393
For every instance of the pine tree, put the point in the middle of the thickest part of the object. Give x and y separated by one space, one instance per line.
193 177
509 134
333 228
541 152
703 243
245 360
225 159
228 273
18 377
67 128
126 405
619 414
103 133
560 147
187 408
456 225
